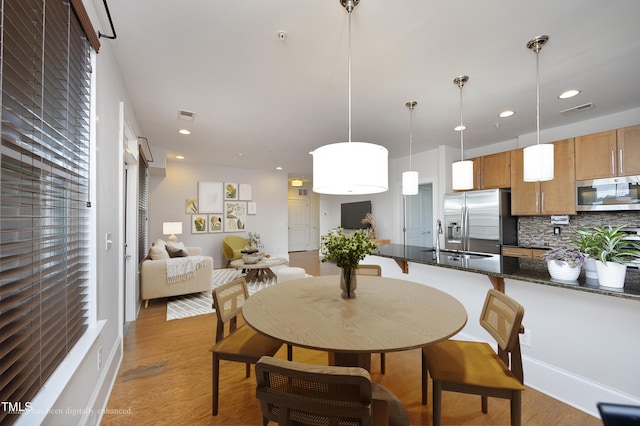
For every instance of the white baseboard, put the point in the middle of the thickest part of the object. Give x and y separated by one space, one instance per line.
571 389
102 391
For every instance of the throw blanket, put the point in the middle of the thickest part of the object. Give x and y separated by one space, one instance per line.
183 268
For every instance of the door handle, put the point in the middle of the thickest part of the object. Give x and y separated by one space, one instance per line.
620 163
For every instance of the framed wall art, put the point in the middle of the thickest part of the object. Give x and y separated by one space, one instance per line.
245 192
210 197
198 223
191 206
230 191
251 208
235 216
215 223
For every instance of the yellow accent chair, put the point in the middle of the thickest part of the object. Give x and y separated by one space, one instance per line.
232 245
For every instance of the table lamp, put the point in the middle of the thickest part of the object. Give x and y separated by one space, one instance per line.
171 229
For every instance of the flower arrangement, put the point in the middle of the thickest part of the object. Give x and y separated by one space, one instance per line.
254 240
369 220
346 250
569 254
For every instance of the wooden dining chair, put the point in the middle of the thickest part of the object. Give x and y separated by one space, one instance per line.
242 344
303 394
474 367
376 271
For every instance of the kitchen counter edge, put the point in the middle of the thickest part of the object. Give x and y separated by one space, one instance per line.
631 289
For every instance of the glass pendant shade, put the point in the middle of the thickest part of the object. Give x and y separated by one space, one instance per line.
538 162
410 183
462 175
350 168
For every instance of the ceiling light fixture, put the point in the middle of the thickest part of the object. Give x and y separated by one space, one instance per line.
296 182
184 132
410 178
461 171
538 159
569 94
180 157
350 168
507 113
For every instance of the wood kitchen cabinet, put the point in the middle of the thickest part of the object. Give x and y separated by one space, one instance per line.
551 197
523 252
608 154
492 171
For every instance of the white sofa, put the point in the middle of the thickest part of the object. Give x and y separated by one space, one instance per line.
154 285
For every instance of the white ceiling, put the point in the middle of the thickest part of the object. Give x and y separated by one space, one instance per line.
261 102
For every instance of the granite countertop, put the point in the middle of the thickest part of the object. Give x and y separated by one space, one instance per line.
505 267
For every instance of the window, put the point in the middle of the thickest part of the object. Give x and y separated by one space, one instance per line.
44 181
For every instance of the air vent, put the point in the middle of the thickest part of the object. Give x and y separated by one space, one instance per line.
186 115
302 192
578 108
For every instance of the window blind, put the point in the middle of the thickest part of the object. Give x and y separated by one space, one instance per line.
143 206
44 179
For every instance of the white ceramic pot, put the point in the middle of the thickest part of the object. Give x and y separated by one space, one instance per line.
560 270
590 271
611 274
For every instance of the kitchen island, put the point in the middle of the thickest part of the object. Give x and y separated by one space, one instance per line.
498 267
579 342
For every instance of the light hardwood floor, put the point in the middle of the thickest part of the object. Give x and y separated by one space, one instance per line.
165 378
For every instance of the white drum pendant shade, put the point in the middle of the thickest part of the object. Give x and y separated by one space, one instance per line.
462 175
538 162
410 183
350 168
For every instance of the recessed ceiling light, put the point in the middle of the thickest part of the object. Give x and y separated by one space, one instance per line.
180 157
505 114
278 168
569 94
184 132
459 128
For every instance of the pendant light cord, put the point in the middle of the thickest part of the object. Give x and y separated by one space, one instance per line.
538 93
349 54
461 126
410 133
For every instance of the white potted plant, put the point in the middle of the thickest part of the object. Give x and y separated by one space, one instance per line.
564 263
585 241
612 253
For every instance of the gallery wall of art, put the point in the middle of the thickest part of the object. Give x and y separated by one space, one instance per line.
212 202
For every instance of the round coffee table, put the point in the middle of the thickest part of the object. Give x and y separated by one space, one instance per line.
260 270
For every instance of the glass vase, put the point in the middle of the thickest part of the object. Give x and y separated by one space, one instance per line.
348 282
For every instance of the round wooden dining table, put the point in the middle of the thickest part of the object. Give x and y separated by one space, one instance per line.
386 315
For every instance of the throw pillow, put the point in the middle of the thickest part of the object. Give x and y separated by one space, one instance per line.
158 253
177 250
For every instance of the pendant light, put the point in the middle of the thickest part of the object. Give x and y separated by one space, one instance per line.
538 159
461 171
410 178
350 168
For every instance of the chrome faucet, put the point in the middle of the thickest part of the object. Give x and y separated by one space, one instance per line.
438 233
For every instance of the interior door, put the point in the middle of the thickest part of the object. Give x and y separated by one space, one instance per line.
420 217
298 224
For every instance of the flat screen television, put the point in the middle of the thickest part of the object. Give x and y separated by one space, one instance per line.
351 214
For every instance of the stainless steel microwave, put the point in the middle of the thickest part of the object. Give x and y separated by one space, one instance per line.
619 193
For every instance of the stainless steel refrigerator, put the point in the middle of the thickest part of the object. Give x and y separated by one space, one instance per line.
479 221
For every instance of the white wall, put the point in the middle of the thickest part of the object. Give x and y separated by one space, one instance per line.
583 345
167 195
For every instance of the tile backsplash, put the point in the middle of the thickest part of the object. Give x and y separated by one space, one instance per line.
537 231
